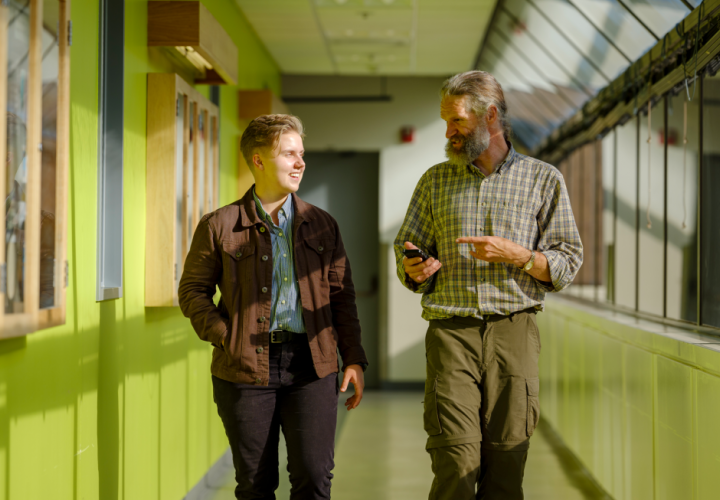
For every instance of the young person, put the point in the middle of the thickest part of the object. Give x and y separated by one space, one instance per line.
287 305
500 233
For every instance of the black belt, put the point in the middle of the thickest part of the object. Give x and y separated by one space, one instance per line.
281 336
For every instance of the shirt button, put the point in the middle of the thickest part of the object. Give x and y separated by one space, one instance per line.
482 229
262 229
264 289
279 325
259 350
280 233
284 279
320 249
284 255
238 255
261 319
258 380
264 257
482 204
283 301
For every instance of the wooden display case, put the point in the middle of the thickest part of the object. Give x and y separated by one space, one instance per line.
188 28
34 140
182 179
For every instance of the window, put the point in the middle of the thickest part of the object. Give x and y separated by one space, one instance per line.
607 271
710 203
651 239
626 210
110 150
33 84
682 178
182 179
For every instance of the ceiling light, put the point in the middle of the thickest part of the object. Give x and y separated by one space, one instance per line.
390 32
349 32
341 1
388 2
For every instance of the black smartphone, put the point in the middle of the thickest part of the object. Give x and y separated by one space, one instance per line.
415 252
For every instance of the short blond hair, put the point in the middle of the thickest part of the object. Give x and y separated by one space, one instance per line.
264 133
483 90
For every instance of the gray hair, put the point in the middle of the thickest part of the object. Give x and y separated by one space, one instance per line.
484 91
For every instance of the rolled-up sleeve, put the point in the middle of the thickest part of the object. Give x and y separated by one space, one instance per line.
559 238
417 228
203 267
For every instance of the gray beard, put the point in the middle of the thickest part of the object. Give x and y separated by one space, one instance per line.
472 146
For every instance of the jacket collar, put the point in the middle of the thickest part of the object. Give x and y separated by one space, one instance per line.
249 215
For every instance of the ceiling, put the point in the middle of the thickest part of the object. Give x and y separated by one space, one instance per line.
551 56
371 37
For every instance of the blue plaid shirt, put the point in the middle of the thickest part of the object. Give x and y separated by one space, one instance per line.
286 309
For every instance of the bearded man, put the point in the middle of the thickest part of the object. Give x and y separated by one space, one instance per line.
499 232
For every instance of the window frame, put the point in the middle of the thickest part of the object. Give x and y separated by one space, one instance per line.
162 275
33 318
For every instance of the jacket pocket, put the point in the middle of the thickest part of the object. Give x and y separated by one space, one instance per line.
319 258
533 404
233 256
431 415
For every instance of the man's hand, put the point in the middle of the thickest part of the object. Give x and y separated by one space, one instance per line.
418 270
496 249
354 374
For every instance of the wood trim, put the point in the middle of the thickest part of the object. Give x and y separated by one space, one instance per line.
216 163
164 90
34 159
160 241
56 315
195 219
206 163
217 47
190 24
3 145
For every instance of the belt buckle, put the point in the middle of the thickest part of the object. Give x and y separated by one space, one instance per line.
272 337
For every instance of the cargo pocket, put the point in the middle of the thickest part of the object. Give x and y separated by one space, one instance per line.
431 416
533 404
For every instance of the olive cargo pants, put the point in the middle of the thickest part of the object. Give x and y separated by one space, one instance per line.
481 404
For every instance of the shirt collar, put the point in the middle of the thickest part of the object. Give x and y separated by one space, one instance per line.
287 207
506 161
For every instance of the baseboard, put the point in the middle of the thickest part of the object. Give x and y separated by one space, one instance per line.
215 478
409 386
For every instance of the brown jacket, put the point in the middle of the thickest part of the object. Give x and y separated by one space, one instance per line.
229 250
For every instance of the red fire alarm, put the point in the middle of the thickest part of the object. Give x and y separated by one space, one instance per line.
407 134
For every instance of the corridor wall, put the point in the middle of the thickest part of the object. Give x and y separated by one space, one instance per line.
117 403
375 126
635 400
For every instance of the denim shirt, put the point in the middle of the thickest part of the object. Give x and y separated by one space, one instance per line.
286 310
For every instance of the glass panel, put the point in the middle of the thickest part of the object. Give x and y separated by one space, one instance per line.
179 169
608 217
626 221
48 186
18 47
529 20
652 205
682 208
201 164
584 36
189 175
710 182
659 15
619 25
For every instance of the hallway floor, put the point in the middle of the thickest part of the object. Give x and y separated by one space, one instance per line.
380 455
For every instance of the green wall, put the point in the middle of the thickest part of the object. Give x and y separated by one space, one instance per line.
636 405
117 403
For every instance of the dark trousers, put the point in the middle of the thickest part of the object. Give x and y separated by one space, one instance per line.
296 401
